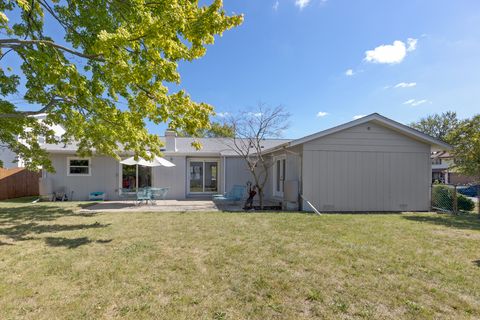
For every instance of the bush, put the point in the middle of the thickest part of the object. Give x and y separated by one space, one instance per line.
464 203
442 198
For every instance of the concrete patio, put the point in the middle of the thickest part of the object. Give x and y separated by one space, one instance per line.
191 205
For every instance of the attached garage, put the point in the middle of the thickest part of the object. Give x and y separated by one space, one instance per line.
371 164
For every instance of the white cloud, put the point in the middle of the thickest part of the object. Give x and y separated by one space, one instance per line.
275 5
419 102
349 73
222 114
391 53
405 85
412 44
414 102
359 116
321 114
255 114
302 3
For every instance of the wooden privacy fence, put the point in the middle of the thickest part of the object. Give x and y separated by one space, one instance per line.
18 182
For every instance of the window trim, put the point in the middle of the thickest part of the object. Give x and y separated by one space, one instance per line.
203 160
120 178
283 171
79 174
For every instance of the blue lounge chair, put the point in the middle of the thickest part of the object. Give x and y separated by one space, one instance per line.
236 194
96 196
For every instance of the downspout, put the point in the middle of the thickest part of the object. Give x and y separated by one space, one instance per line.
224 174
311 205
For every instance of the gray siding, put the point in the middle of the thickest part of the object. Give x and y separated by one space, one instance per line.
237 173
367 168
104 177
174 178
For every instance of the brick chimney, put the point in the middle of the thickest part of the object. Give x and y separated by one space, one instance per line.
170 141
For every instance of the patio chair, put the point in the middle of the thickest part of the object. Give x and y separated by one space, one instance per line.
144 195
159 193
61 195
234 195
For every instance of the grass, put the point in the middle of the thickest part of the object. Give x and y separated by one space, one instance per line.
58 263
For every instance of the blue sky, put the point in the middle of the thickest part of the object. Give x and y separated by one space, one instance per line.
327 61
296 53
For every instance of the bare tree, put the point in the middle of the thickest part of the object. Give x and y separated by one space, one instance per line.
251 128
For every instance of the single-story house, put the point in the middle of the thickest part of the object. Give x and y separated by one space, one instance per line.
369 164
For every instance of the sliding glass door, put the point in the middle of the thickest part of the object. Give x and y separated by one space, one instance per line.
203 176
129 177
196 177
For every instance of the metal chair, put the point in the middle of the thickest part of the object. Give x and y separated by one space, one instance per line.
144 195
158 194
235 194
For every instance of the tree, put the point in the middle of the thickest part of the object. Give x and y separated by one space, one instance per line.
215 130
103 53
466 152
251 129
437 125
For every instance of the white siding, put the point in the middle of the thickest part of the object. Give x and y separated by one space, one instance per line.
367 168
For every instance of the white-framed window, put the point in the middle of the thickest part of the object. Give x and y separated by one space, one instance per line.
78 167
279 175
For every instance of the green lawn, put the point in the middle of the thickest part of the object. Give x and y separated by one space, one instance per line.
56 263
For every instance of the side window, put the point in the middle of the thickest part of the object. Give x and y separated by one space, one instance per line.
78 167
280 166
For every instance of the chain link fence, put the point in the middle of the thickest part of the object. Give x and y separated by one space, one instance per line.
454 199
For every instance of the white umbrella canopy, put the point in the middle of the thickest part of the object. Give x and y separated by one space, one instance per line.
155 162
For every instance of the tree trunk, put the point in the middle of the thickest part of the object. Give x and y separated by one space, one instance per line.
260 198
478 200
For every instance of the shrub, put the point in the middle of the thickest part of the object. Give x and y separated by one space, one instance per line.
464 203
442 197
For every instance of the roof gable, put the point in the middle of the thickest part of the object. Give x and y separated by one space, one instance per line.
379 119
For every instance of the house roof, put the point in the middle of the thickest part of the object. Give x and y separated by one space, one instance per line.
377 118
217 145
441 154
210 146
220 146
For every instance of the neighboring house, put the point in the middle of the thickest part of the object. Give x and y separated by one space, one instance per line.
369 164
10 159
443 170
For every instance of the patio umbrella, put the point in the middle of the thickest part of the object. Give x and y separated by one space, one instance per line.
155 162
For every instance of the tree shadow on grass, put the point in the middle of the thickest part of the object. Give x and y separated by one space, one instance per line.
71 243
465 221
17 214
19 232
